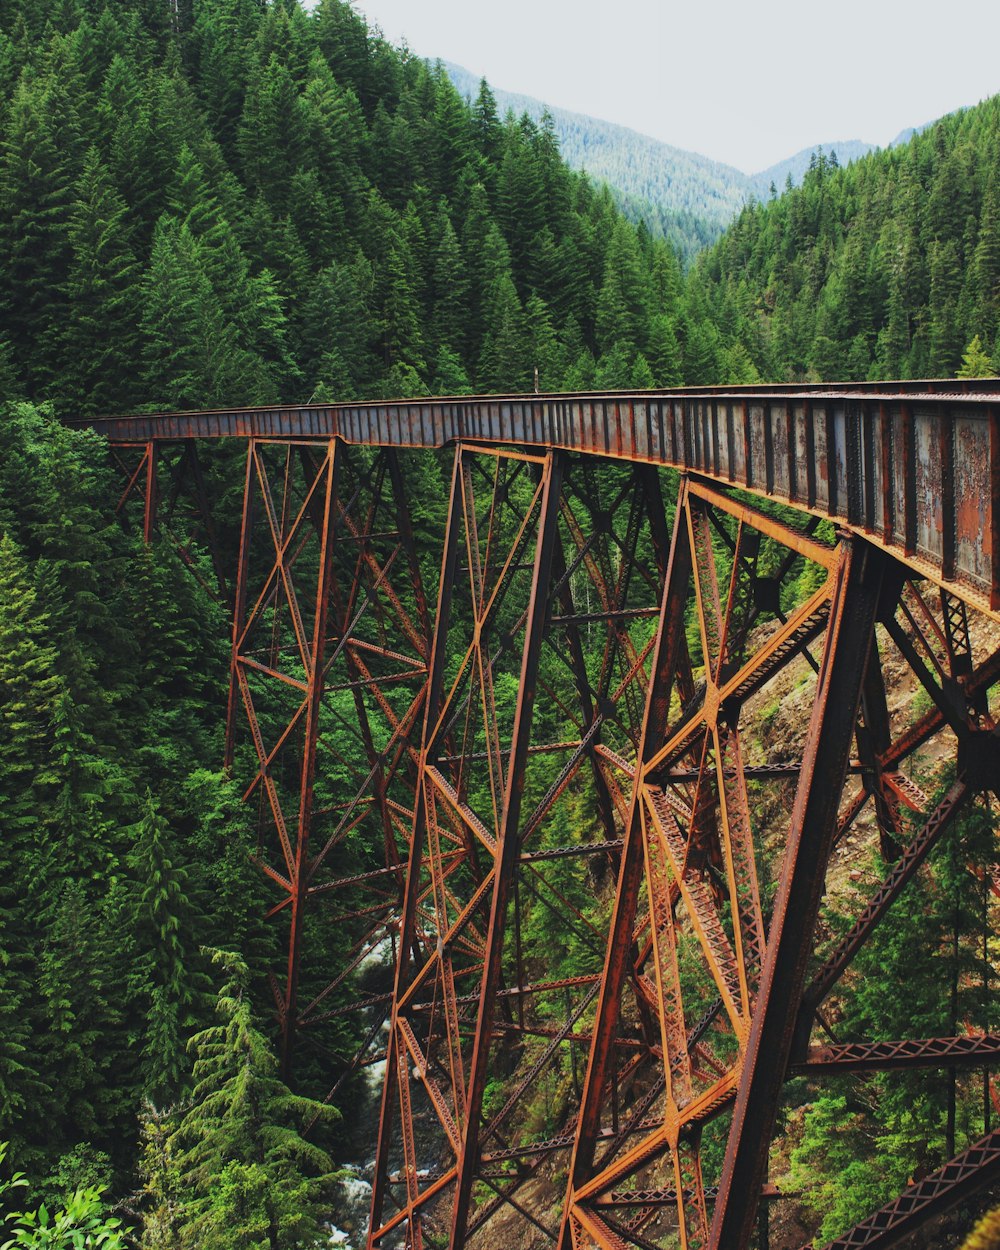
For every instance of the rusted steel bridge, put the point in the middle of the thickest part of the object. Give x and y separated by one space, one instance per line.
551 793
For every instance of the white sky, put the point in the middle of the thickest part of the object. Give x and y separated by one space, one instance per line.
748 83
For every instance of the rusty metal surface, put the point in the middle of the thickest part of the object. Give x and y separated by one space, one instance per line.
968 1050
587 701
912 466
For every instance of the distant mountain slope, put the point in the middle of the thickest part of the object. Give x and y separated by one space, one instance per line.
888 268
795 166
682 196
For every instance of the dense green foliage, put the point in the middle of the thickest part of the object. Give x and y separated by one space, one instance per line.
886 269
925 973
680 196
230 1169
123 851
233 201
251 202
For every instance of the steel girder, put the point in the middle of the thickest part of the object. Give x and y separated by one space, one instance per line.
164 480
914 466
766 1002
423 776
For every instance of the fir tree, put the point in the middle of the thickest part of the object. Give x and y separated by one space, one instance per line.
975 362
623 304
244 1173
161 922
98 342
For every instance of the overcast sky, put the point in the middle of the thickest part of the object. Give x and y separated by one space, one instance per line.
747 82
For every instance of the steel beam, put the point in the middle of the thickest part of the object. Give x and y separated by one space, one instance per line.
812 829
959 1179
942 441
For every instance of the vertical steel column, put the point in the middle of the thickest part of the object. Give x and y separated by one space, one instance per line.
407 924
670 642
813 826
149 508
508 845
314 696
240 605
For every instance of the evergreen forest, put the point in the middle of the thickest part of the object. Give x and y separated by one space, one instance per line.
210 203
888 268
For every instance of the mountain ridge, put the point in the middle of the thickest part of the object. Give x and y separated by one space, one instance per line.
683 196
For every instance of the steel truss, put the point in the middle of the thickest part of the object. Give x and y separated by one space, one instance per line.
583 714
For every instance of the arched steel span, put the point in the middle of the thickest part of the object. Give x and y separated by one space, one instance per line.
586 666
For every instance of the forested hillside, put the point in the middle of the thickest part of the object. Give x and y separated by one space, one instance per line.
681 196
887 269
213 202
264 202
219 202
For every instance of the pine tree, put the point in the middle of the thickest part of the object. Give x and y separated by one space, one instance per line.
450 377
99 340
452 130
29 688
985 268
945 333
402 333
487 132
192 354
36 177
623 304
503 367
336 133
244 1173
975 362
664 352
520 207
79 966
546 358
449 285
614 369
161 922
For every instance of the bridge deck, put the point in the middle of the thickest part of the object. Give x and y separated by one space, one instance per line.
914 467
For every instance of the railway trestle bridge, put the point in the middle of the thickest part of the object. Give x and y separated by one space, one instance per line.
504 685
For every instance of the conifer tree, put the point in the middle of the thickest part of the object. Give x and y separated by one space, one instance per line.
244 1173
487 133
623 303
161 921
664 352
502 364
191 351
546 358
29 688
36 176
975 362
450 377
402 333
98 342
449 285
